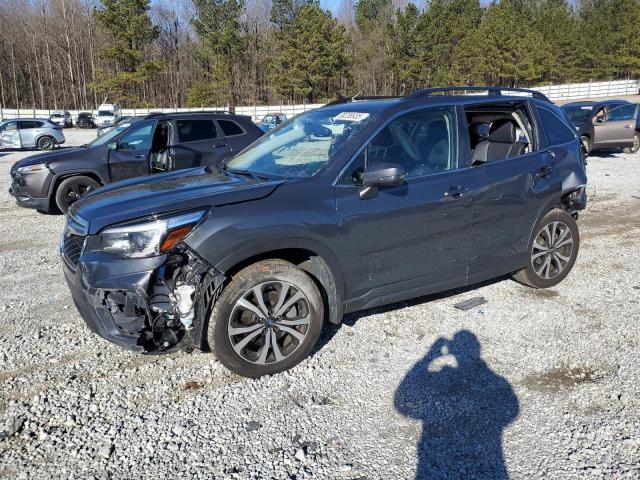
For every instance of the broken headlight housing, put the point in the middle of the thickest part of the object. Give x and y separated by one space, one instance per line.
149 238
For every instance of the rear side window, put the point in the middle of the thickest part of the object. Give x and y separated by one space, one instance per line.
625 112
557 131
26 124
194 130
230 128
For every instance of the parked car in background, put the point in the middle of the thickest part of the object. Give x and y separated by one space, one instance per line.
354 205
85 120
104 129
108 114
37 133
605 124
271 121
153 144
62 118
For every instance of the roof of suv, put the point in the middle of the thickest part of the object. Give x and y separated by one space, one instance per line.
590 103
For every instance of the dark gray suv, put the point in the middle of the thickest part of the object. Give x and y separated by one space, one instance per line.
140 146
357 204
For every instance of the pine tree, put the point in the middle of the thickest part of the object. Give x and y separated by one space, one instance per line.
311 56
217 23
127 24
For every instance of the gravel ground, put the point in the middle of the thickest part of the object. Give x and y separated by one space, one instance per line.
552 392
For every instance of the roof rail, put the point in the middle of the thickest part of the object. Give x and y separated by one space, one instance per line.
217 112
497 91
357 97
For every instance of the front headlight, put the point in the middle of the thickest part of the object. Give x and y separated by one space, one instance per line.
38 167
147 239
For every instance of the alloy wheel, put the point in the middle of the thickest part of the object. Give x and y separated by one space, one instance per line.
75 191
552 249
269 322
636 144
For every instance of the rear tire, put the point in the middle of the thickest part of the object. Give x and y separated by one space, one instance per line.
71 189
243 327
552 251
46 143
636 144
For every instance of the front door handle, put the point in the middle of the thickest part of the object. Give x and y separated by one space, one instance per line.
140 155
219 145
456 192
627 126
545 171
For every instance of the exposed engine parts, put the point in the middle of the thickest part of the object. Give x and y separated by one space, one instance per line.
174 302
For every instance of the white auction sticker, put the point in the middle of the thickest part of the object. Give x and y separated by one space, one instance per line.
351 116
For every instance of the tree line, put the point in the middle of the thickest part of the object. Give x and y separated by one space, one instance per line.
79 53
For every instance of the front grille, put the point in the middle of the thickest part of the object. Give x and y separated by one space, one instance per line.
75 232
72 248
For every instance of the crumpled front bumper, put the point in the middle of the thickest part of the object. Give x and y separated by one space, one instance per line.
129 301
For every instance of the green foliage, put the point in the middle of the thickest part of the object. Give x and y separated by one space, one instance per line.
284 12
311 55
373 11
129 27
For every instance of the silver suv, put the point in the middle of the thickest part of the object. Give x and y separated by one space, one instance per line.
37 133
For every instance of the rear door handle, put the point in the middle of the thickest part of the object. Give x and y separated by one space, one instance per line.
627 126
219 145
140 155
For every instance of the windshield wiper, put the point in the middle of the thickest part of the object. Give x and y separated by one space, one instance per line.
246 173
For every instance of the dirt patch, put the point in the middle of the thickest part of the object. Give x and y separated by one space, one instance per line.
563 377
542 293
613 223
191 385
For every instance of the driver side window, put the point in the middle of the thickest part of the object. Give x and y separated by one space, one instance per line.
138 137
423 142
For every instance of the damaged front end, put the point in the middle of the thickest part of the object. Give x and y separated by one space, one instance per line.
153 304
170 310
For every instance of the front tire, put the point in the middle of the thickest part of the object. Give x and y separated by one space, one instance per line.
71 189
636 144
585 145
267 319
552 251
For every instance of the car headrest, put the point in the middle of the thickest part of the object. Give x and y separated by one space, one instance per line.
503 131
481 130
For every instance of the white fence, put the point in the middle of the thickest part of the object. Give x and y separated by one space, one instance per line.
577 91
256 112
572 91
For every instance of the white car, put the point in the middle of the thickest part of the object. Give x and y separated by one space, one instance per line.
62 118
108 114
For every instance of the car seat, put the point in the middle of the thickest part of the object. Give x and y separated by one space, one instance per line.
501 143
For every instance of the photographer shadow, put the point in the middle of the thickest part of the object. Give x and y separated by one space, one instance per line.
464 407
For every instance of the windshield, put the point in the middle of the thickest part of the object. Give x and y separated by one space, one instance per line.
114 132
578 114
105 113
302 146
56 115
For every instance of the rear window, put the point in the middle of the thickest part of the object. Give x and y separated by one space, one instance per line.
194 130
230 128
557 131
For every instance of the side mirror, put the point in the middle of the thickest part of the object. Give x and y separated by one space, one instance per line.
112 145
379 176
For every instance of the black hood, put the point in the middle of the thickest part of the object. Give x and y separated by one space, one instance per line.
161 193
52 158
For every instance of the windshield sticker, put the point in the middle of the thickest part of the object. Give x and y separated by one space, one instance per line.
351 116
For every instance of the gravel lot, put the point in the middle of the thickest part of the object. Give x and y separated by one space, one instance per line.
555 393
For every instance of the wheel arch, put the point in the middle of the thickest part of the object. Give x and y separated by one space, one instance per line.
312 257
